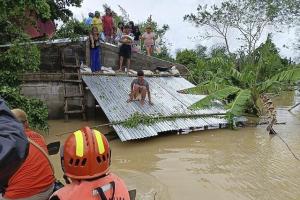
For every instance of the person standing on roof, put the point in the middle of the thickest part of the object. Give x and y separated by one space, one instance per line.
35 179
97 22
89 20
137 36
131 27
95 50
125 48
14 146
85 160
139 89
119 32
108 25
148 38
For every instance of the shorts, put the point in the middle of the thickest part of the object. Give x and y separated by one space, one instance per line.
125 51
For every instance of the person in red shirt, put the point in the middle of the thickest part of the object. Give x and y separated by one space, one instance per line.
34 180
108 25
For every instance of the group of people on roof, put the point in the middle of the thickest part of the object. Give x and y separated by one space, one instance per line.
26 172
127 36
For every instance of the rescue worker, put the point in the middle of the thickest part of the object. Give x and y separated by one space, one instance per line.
13 145
34 180
85 160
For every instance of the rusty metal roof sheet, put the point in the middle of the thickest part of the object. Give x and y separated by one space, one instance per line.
111 92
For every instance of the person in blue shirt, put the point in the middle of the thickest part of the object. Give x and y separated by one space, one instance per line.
13 145
89 20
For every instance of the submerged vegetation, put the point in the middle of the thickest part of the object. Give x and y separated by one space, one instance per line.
137 118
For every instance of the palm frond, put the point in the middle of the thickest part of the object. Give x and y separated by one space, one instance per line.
238 106
267 85
276 80
204 88
217 95
235 73
288 75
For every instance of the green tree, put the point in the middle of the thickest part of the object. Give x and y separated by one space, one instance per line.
187 57
239 82
268 60
72 29
240 90
248 17
20 55
206 67
59 9
159 32
201 51
242 94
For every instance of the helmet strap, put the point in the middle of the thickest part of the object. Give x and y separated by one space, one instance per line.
67 180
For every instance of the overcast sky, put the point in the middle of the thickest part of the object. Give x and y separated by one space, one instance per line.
181 34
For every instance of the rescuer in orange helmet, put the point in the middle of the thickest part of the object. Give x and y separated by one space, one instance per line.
85 159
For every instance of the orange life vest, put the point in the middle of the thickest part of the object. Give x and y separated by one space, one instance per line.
110 187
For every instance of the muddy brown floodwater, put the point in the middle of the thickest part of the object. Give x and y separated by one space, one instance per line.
240 164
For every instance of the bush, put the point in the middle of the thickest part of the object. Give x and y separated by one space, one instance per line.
36 110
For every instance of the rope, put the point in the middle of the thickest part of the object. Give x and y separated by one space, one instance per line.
288 147
294 106
270 126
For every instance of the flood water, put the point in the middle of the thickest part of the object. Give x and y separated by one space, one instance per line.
240 164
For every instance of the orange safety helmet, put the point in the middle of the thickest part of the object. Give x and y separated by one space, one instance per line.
86 154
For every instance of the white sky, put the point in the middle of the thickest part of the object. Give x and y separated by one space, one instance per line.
181 34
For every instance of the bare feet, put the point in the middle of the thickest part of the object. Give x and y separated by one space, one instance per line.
142 102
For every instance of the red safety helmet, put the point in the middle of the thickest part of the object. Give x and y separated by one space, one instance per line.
86 154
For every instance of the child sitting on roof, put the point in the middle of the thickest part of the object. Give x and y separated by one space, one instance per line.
139 89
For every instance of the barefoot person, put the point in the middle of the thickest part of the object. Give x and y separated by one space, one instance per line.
95 50
148 37
125 48
108 25
139 89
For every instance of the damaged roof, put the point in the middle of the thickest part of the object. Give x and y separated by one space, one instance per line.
111 92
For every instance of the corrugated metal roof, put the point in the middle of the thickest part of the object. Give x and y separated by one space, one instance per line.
111 92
